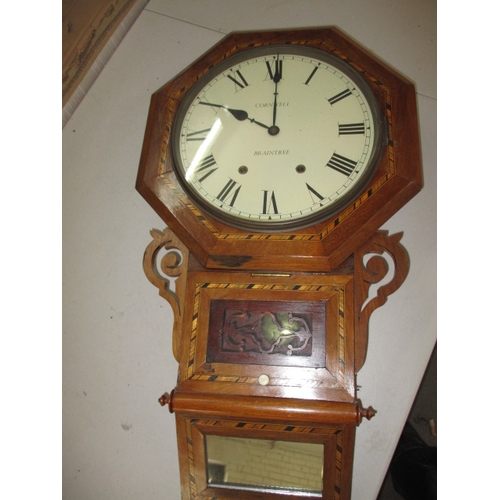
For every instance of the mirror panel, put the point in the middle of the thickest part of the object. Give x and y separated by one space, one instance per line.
262 464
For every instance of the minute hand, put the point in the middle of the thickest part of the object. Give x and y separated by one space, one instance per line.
240 114
278 71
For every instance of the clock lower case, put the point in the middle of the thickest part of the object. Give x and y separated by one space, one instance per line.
266 371
234 447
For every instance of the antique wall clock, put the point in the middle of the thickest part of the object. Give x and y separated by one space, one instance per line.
274 159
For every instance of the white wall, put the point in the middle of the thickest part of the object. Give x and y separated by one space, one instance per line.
118 443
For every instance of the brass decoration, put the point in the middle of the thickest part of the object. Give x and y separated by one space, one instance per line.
266 332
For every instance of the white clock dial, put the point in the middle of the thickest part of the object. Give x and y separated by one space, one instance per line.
277 138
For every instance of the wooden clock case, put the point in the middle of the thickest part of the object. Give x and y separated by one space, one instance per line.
323 246
270 329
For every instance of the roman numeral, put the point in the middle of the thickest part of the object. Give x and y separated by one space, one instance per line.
229 189
342 95
238 79
277 72
205 164
341 164
311 75
269 201
351 128
199 135
314 193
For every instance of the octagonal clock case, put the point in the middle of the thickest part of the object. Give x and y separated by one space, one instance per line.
299 143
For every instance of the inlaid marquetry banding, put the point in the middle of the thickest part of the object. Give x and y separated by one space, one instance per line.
341 339
191 467
338 464
233 424
224 378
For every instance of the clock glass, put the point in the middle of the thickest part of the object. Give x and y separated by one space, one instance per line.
277 138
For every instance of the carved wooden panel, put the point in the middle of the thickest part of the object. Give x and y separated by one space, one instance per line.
266 333
371 268
165 264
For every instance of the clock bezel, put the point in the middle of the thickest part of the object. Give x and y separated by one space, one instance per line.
379 132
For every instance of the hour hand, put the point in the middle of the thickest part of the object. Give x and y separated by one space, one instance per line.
240 114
